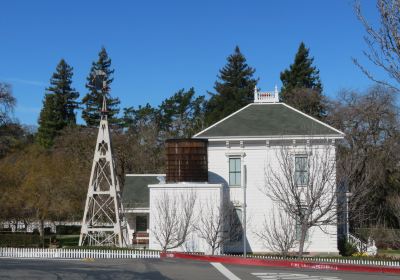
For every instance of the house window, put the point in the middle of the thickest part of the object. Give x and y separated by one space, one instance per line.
235 172
301 170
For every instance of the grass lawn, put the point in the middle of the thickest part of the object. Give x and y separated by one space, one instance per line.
34 240
68 240
394 253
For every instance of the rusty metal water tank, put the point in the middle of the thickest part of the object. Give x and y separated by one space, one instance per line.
186 160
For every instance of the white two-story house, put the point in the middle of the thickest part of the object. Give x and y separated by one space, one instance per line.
244 152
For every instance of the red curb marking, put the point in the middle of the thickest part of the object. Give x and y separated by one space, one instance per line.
283 263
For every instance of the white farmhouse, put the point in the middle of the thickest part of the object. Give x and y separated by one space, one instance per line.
244 150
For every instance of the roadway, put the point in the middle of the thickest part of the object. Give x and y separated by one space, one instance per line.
162 269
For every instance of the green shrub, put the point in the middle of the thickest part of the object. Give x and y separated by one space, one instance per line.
66 230
68 240
346 248
19 240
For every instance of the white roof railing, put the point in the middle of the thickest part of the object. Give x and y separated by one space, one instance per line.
266 96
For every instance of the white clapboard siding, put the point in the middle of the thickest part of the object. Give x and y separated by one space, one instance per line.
206 196
76 253
258 157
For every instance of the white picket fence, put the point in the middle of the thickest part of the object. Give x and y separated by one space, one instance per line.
375 262
144 254
76 253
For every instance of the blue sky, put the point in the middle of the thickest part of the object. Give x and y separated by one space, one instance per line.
158 47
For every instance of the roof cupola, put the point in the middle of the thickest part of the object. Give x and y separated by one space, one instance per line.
266 96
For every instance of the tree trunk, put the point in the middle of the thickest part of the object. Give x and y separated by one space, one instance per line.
301 248
302 240
285 253
41 231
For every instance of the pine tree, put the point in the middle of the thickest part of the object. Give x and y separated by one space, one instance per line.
134 119
93 100
60 85
234 89
301 85
182 115
59 105
50 121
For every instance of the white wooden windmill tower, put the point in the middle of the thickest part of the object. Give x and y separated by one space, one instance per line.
103 223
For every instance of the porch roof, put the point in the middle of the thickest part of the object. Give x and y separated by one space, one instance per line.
136 193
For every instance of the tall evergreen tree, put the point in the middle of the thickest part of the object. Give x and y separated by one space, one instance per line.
182 115
59 105
93 100
234 88
61 86
301 85
137 119
50 121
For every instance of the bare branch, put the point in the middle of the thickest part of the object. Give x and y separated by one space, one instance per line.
370 122
394 204
278 235
174 219
218 223
210 225
309 200
383 42
7 103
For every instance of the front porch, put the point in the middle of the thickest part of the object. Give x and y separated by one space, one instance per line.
135 201
138 230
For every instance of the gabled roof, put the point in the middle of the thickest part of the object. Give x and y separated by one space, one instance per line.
268 120
136 193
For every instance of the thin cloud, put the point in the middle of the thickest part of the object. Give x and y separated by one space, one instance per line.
25 82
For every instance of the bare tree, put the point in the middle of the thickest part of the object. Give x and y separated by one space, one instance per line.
278 235
394 204
210 224
370 122
173 220
217 223
383 42
304 186
7 103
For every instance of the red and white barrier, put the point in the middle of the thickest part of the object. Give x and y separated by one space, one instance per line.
284 263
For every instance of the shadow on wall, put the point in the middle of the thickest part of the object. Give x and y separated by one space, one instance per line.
234 244
214 178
